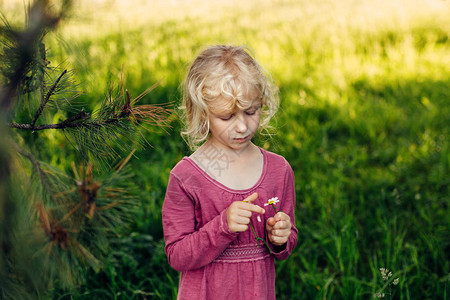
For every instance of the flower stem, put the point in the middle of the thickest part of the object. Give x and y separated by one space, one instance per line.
253 229
257 238
274 208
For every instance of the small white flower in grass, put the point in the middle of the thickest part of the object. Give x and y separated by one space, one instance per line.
385 274
272 201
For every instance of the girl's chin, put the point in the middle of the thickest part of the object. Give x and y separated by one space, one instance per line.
235 144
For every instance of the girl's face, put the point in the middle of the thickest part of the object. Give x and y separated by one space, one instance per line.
235 129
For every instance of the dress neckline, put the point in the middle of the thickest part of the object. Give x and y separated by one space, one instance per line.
224 187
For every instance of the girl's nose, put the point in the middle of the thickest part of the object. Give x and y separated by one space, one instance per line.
241 124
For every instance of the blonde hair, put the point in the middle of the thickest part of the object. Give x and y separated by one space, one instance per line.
223 71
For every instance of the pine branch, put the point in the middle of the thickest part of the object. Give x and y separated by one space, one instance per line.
33 161
46 98
116 125
23 44
68 123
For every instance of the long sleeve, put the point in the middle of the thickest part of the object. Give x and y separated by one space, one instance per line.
187 248
287 205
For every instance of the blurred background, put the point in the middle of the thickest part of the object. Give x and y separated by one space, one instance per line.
364 122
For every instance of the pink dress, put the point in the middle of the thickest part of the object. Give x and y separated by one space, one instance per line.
214 262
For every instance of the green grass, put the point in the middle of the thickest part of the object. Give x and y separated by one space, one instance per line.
363 121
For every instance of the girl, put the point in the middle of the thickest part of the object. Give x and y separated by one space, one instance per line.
222 224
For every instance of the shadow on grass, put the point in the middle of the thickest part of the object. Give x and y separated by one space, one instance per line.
372 190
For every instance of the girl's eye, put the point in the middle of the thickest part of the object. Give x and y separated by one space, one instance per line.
226 118
250 113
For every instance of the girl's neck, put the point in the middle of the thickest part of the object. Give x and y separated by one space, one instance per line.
235 168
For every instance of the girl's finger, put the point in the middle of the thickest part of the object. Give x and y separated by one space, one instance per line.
240 228
241 220
281 233
251 198
252 207
278 240
270 223
281 216
282 225
241 205
247 204
244 213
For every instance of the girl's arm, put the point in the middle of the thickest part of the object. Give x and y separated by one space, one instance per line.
287 205
187 248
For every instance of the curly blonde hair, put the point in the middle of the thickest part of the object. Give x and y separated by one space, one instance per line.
223 71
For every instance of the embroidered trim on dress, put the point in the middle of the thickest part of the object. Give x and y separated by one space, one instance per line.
241 253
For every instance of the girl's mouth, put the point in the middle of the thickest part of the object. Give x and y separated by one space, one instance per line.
241 140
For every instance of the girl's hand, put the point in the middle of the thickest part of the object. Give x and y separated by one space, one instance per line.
279 228
240 212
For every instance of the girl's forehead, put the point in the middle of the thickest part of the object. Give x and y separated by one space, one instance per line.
226 105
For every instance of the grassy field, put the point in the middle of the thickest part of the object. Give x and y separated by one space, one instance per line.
364 122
